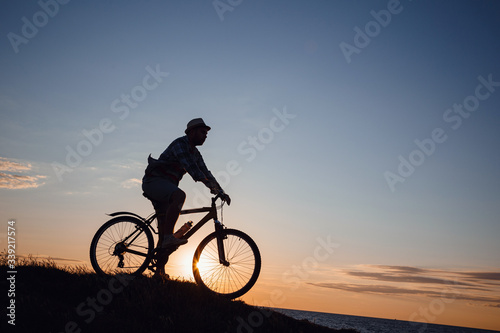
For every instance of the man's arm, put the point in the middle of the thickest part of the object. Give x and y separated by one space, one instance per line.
212 183
210 180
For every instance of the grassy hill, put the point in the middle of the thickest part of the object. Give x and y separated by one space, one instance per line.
52 299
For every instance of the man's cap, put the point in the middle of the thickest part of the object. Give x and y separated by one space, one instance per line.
197 122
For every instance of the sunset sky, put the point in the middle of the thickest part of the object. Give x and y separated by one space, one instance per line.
359 140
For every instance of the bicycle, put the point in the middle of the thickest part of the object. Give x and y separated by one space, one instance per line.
226 262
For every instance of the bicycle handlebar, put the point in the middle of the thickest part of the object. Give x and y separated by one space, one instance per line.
218 196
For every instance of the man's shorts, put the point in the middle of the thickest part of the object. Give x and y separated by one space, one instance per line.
159 190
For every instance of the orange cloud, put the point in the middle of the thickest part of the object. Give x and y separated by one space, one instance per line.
12 179
8 165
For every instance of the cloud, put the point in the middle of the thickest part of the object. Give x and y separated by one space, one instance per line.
12 166
374 289
476 288
401 269
12 176
390 277
447 293
495 276
131 183
19 181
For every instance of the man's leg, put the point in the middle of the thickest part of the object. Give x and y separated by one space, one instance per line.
161 260
160 217
176 202
166 223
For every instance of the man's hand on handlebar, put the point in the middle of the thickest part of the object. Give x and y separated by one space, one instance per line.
225 197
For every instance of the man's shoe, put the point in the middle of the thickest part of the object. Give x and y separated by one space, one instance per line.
170 241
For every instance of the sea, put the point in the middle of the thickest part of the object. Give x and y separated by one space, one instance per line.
374 325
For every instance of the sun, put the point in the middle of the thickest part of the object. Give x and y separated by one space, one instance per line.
180 265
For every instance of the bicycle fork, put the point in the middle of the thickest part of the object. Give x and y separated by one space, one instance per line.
219 228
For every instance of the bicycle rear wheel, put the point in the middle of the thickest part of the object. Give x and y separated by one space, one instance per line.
122 245
235 278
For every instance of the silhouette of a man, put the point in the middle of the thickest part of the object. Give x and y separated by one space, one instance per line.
161 180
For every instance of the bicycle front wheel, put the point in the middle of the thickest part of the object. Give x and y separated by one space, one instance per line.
122 245
238 274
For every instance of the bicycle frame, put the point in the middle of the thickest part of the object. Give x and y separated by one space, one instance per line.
211 214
